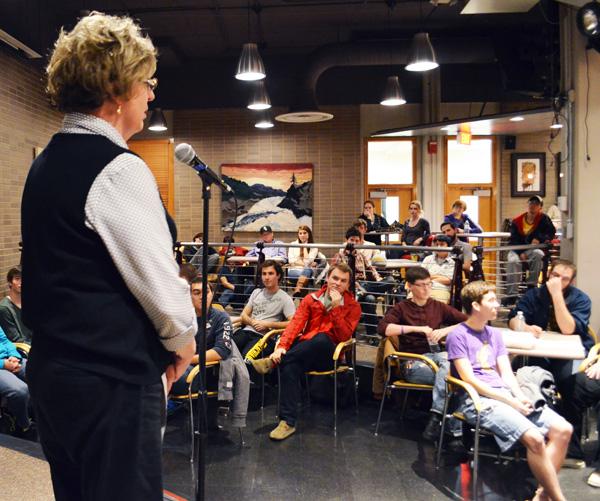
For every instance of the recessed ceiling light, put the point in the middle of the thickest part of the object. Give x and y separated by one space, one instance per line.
517 119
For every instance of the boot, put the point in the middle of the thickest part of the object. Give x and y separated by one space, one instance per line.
300 284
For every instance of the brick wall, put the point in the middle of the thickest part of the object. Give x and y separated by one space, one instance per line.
27 122
526 143
229 136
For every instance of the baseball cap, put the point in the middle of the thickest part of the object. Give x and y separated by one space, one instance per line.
265 229
535 199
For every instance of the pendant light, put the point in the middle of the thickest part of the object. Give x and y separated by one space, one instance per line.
157 121
422 55
260 99
250 65
264 121
393 95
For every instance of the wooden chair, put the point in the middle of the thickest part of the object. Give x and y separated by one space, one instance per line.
393 359
23 348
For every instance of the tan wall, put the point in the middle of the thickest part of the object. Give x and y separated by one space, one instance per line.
27 122
229 136
526 143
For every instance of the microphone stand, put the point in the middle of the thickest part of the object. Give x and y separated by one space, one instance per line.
200 448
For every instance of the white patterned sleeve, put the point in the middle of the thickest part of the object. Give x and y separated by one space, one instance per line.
124 208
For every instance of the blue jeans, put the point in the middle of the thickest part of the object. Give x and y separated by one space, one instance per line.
420 373
14 388
368 301
296 273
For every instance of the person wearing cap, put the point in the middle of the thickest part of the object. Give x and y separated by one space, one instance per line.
440 266
267 237
531 227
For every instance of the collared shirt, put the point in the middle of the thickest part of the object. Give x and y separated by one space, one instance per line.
269 252
437 266
124 208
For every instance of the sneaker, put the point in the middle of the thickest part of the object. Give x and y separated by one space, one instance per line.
594 479
263 365
574 463
282 431
431 432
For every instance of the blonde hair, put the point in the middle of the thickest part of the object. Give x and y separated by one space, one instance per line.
417 203
101 57
460 203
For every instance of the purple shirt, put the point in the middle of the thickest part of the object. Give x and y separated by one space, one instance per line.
481 348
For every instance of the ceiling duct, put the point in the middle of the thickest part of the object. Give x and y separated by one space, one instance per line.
475 50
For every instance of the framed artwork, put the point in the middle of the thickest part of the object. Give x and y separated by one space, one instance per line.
527 174
278 195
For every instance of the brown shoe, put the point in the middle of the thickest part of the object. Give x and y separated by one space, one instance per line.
282 431
263 365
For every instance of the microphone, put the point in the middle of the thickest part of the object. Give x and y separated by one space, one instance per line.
186 154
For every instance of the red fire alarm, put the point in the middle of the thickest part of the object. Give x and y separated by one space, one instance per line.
432 147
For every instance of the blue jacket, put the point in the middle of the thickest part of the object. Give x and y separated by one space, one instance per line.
460 223
536 302
7 349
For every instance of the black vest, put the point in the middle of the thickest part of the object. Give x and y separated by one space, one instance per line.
80 310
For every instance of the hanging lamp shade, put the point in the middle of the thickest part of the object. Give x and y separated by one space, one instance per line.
157 123
393 95
264 121
422 55
250 66
260 99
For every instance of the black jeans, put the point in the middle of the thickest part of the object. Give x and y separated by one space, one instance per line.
315 354
579 392
245 339
101 436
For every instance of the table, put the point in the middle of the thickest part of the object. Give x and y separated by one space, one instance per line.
252 259
385 235
396 264
486 234
548 345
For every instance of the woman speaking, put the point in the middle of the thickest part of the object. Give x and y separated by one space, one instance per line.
104 300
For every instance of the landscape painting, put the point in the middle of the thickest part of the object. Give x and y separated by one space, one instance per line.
278 195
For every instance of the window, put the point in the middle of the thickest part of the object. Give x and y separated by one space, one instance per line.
390 162
470 164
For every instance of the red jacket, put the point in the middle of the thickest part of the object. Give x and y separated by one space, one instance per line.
311 318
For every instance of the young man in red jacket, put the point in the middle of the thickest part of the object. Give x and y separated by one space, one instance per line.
322 320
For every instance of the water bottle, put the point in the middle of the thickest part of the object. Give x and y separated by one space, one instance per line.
467 227
520 321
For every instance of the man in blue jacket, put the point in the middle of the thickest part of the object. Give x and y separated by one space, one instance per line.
13 387
557 306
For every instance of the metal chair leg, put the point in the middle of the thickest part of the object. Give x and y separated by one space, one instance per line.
475 459
262 392
404 404
385 390
242 443
355 383
192 431
442 431
335 399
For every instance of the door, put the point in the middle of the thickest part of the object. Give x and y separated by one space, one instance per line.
158 155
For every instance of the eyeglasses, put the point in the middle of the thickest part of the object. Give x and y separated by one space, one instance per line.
152 83
423 284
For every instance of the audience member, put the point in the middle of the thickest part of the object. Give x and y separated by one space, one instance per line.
267 237
374 222
268 308
415 229
323 320
196 259
218 333
450 231
188 271
10 310
415 326
13 388
556 306
234 250
460 219
531 227
441 268
479 357
370 253
301 260
580 391
368 281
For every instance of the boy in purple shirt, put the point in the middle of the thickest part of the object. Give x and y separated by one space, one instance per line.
479 357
